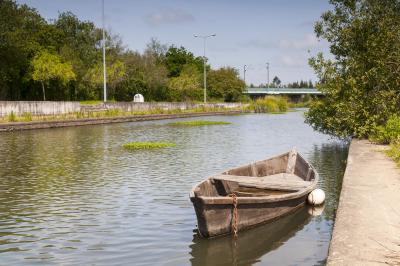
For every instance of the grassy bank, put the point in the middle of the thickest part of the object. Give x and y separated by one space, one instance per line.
28 117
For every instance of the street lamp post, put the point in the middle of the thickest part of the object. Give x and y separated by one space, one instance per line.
204 62
267 75
104 60
244 73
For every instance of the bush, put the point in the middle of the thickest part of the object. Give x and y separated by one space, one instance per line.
269 104
388 133
394 151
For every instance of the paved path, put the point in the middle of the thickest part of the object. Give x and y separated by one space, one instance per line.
367 226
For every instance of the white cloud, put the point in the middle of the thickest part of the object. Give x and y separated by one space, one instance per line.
168 16
309 41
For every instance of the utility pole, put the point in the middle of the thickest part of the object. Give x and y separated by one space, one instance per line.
204 62
104 61
244 73
267 74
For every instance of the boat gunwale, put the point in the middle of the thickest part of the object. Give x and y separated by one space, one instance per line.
221 200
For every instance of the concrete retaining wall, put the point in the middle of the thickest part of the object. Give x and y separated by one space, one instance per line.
53 108
38 108
96 121
131 106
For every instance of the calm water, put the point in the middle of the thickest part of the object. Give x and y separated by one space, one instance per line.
73 196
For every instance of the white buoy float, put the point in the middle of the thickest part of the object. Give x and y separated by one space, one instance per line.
316 197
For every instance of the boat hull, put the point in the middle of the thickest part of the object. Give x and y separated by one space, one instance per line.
217 219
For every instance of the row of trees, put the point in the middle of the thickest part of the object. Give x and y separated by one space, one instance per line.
62 60
277 83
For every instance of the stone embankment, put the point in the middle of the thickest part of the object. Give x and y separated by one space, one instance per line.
367 226
96 121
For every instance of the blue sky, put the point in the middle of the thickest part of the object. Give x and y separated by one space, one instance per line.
250 32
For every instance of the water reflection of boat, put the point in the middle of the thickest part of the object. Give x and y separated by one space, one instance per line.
250 246
252 194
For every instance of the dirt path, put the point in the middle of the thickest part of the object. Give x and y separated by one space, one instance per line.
367 226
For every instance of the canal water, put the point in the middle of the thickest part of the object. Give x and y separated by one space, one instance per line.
74 196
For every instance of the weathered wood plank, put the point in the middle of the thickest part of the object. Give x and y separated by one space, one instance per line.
276 185
282 181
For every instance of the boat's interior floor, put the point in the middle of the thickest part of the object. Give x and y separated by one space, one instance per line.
277 182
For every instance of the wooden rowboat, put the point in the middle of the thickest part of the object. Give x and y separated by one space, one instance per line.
252 194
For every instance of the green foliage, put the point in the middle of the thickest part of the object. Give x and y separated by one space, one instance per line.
388 133
27 117
177 58
269 104
18 26
186 86
225 83
47 66
116 73
113 112
198 123
62 60
361 83
300 84
147 145
11 117
276 81
394 152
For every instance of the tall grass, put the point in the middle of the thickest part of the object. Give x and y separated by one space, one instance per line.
269 104
11 117
27 117
394 151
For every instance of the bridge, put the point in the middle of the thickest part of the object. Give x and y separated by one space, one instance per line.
293 93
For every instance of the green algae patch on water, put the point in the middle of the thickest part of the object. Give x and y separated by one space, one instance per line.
147 145
196 123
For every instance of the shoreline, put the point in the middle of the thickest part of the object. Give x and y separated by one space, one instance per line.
18 126
366 230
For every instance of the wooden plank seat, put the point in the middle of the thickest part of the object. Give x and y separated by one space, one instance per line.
282 181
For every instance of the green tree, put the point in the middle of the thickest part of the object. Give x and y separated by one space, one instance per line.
276 81
362 82
177 58
186 86
18 26
225 84
47 66
116 73
156 50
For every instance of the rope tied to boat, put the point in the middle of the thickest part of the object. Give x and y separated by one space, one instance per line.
234 214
